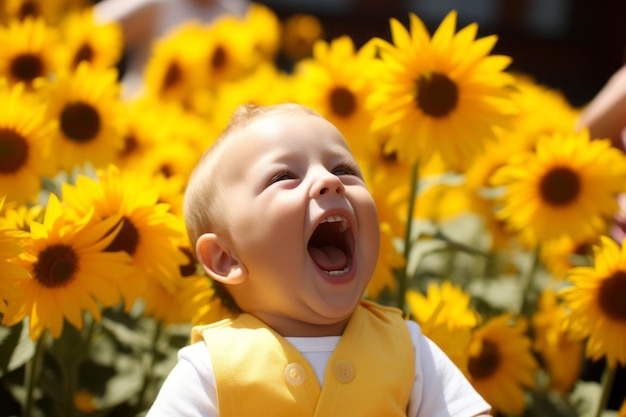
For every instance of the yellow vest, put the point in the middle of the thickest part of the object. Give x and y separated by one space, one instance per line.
259 373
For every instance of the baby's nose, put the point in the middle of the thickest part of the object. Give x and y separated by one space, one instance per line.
327 183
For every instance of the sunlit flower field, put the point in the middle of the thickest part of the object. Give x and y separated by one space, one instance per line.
495 213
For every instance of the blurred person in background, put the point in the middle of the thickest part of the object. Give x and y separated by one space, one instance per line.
145 21
605 115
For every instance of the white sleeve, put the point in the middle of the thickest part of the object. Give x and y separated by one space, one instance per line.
118 10
189 389
440 389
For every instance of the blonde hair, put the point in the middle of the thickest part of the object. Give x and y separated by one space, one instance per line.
202 201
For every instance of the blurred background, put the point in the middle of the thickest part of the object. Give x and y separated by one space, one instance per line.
570 45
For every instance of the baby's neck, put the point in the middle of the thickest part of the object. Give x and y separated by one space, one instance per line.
289 327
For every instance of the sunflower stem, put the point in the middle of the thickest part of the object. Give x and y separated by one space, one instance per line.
403 276
528 280
607 385
32 376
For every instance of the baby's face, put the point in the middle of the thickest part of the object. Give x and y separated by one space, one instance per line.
301 220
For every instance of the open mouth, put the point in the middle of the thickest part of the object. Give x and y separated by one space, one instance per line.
329 246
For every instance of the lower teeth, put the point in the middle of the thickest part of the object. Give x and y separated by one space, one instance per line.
342 271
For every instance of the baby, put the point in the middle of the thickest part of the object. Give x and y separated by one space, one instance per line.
283 222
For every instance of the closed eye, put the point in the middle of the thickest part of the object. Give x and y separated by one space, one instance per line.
281 176
347 169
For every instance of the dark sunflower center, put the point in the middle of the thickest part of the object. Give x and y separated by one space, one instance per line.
219 58
583 249
28 9
80 122
436 94
342 102
484 365
389 157
167 170
560 186
173 75
127 238
612 296
131 144
56 266
27 67
84 53
13 151
189 268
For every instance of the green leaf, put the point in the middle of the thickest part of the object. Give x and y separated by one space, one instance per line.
16 348
585 397
125 384
138 338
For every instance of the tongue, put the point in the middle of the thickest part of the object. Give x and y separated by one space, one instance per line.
329 258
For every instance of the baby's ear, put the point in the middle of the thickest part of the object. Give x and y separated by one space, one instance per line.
218 260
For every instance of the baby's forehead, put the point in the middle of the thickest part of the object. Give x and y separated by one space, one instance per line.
279 119
278 131
283 123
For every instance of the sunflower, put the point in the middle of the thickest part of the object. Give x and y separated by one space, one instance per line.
11 243
541 111
139 132
496 155
171 192
596 301
336 82
443 201
71 271
88 116
482 195
389 260
300 32
390 195
227 51
265 85
19 217
266 30
501 363
148 230
27 50
204 304
561 354
179 124
389 182
49 10
170 150
24 144
568 180
443 95
173 70
162 303
86 40
170 159
23 9
564 253
191 301
446 318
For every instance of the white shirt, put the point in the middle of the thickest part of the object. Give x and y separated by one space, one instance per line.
439 390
